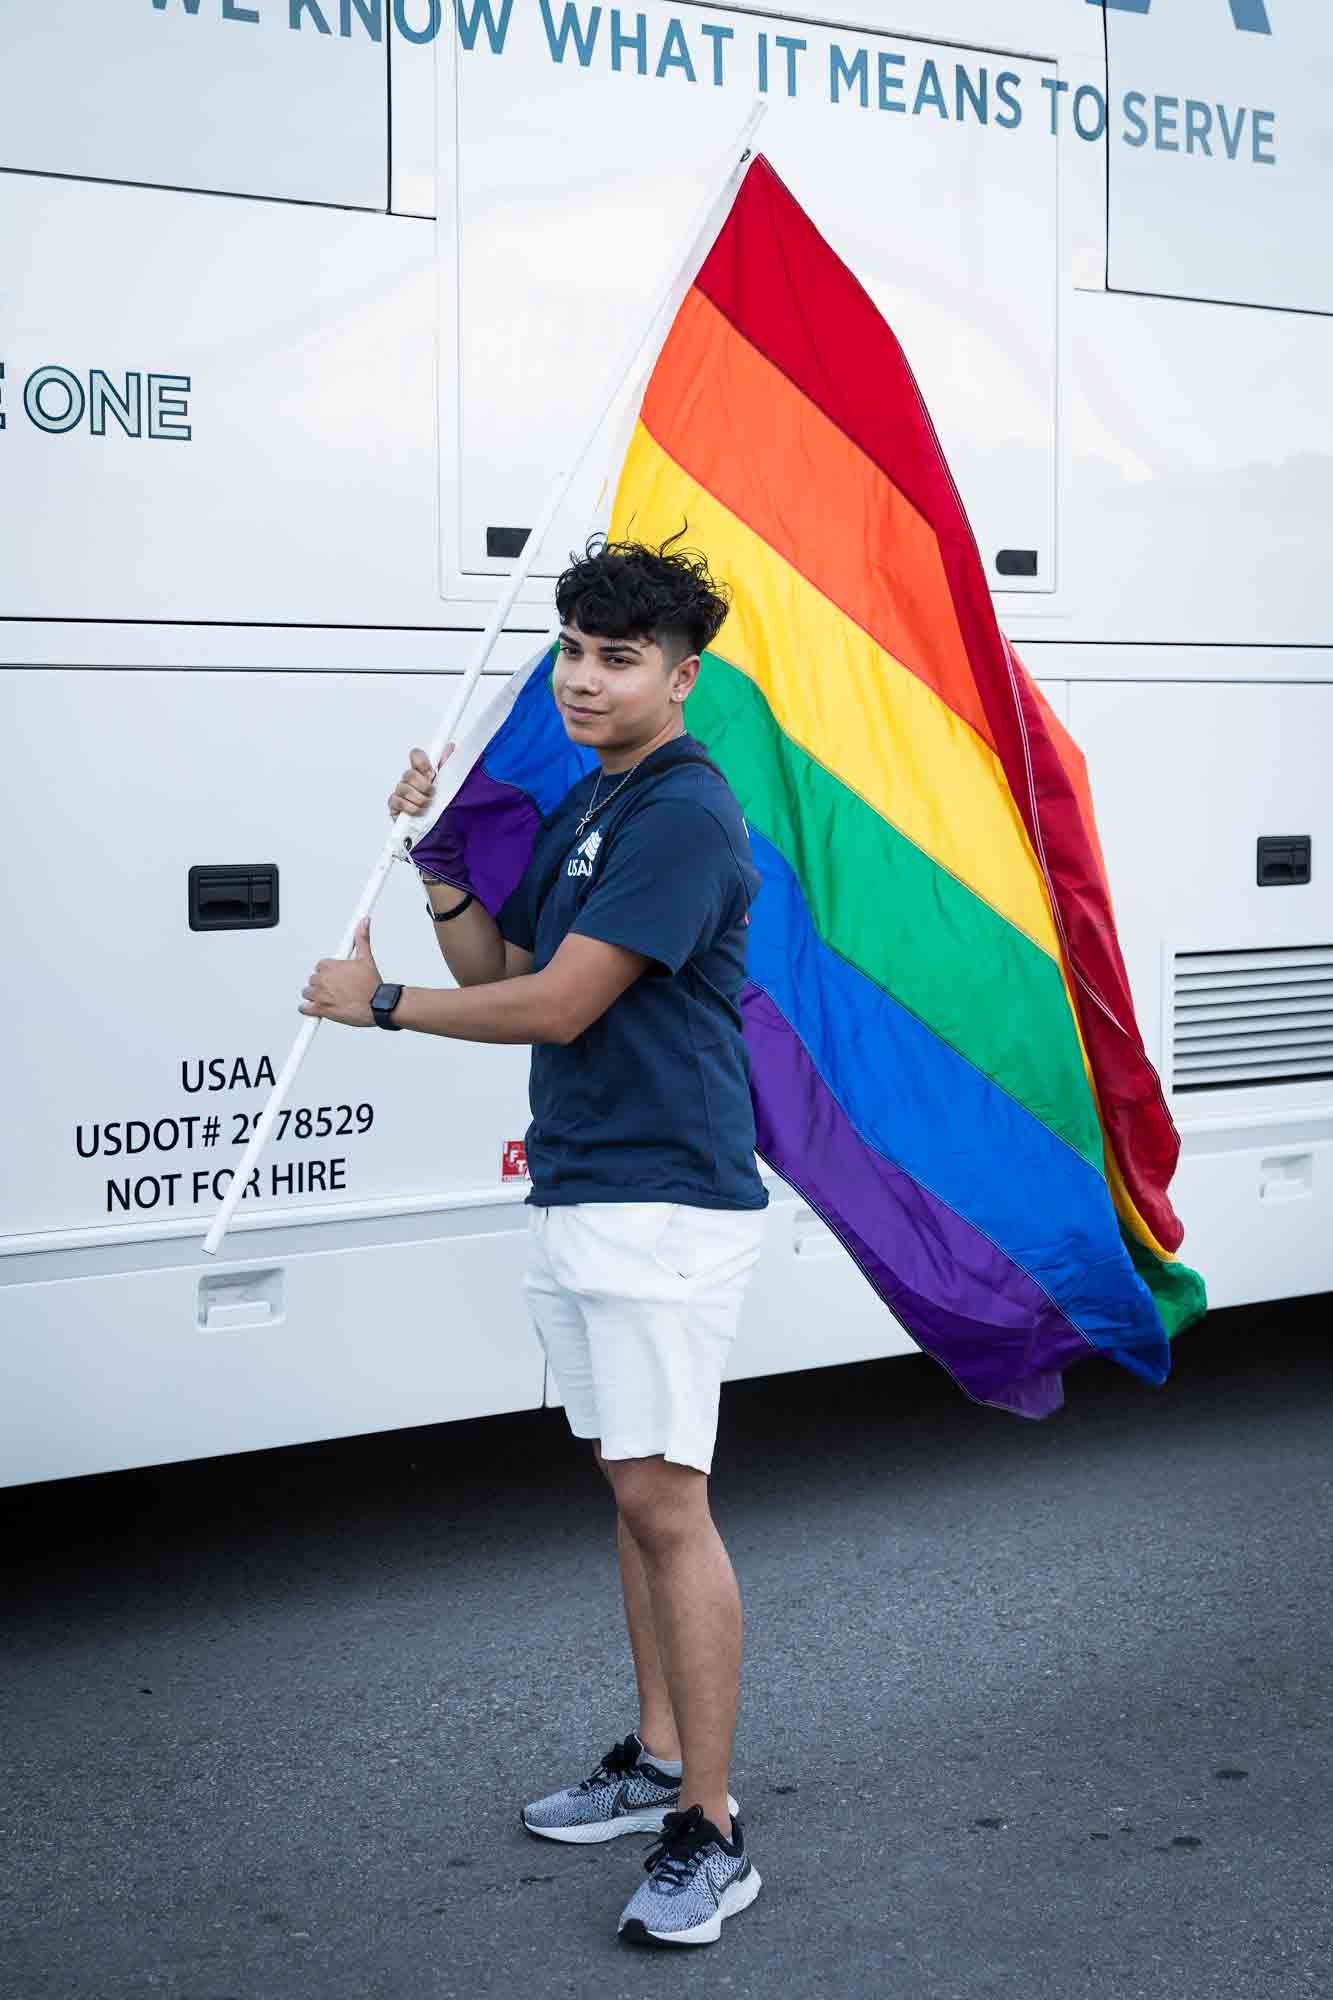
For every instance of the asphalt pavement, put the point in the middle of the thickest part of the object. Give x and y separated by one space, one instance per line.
1029 1709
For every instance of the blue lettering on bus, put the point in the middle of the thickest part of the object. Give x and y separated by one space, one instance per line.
1007 84
571 29
675 52
370 13
791 46
929 91
622 39
429 28
297 11
636 44
472 14
718 36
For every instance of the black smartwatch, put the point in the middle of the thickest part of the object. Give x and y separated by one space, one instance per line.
382 1003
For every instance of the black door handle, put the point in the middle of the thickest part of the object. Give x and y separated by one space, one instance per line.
243 897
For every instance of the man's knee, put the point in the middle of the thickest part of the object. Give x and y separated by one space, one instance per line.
660 1503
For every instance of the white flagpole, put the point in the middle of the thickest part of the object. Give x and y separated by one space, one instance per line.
707 221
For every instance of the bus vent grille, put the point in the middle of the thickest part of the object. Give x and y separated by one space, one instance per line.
1242 1018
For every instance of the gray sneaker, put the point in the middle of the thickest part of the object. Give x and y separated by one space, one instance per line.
625 1794
696 1880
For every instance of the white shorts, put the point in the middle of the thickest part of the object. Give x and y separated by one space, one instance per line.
636 1304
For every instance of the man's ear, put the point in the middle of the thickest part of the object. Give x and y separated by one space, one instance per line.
683 676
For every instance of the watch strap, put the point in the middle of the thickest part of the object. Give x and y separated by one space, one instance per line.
382 1003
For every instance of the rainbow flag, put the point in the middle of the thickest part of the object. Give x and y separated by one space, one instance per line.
943 1048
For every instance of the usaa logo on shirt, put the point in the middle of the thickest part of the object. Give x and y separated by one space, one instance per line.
581 860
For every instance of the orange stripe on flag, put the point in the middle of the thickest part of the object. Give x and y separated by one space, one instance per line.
744 431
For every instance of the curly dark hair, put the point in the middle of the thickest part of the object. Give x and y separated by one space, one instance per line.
626 590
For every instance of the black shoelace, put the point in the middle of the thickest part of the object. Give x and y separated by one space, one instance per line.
677 1855
618 1762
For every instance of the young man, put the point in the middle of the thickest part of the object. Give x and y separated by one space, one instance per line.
620 957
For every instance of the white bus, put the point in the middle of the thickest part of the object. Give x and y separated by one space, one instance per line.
301 302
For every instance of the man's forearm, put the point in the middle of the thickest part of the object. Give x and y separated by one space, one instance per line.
522 1009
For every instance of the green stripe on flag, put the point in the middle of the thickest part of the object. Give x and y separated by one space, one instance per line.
903 921
1177 1292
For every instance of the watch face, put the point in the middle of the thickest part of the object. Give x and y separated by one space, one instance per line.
385 998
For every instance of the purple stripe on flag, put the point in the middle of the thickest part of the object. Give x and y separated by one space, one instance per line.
496 825
961 1299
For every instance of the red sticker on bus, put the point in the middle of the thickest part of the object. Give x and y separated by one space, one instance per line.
514 1161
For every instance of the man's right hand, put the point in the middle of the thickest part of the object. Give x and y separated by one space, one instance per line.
412 792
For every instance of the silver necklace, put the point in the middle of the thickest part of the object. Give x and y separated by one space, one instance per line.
607 800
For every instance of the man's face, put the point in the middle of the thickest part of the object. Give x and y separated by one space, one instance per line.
615 695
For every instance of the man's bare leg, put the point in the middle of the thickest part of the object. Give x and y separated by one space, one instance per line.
657 1722
691 1592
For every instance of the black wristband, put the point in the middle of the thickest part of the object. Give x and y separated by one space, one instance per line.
447 916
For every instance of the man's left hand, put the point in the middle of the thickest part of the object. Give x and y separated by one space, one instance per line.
339 989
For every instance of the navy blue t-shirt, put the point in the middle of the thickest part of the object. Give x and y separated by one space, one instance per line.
652 1102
